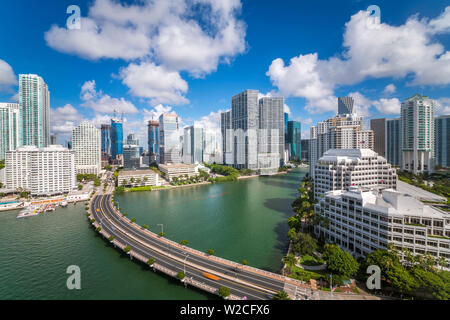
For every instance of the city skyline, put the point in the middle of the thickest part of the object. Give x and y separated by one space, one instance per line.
99 83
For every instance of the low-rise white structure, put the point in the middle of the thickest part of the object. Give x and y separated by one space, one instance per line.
138 178
363 221
172 170
339 169
42 171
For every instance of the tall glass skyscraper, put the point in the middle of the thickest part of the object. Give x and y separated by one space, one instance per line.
193 145
170 146
295 139
393 141
116 138
34 102
106 138
9 128
153 140
442 144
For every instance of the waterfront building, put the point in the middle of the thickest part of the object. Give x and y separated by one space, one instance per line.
304 150
41 171
340 169
227 137
361 221
9 128
211 153
87 146
136 178
378 126
116 138
106 139
34 104
153 141
393 141
270 134
417 116
294 135
193 145
442 141
170 146
344 131
172 170
253 132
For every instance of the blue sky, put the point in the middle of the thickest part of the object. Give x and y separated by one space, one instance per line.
192 56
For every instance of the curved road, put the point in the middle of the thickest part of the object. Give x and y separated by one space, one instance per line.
242 281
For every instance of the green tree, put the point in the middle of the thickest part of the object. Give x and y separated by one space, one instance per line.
224 292
145 226
111 238
183 242
244 262
211 252
181 275
281 295
133 219
302 243
150 261
339 261
80 187
401 280
290 260
127 249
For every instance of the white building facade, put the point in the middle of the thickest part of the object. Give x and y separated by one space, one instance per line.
363 221
42 171
86 142
9 128
340 169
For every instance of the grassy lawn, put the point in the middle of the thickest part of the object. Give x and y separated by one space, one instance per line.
305 275
311 260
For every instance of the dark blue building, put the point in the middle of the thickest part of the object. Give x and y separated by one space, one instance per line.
116 138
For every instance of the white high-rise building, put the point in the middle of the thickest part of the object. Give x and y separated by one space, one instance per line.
34 102
363 221
42 171
169 141
340 169
9 128
210 148
344 131
86 142
417 120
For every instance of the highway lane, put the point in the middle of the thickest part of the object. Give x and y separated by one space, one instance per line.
260 280
172 264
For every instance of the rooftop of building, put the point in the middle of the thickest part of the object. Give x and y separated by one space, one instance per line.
176 166
347 154
389 201
135 172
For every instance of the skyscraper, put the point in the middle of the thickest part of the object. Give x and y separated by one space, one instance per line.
132 140
345 105
34 102
9 128
106 139
417 116
442 144
344 131
271 134
378 126
227 137
153 140
193 145
87 146
304 150
393 141
210 151
116 138
294 139
245 123
53 139
170 146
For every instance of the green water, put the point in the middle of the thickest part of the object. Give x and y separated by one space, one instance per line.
239 220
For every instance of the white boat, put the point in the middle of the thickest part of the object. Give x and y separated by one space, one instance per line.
64 204
28 212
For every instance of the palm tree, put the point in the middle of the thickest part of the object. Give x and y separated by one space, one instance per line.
290 260
183 242
281 295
